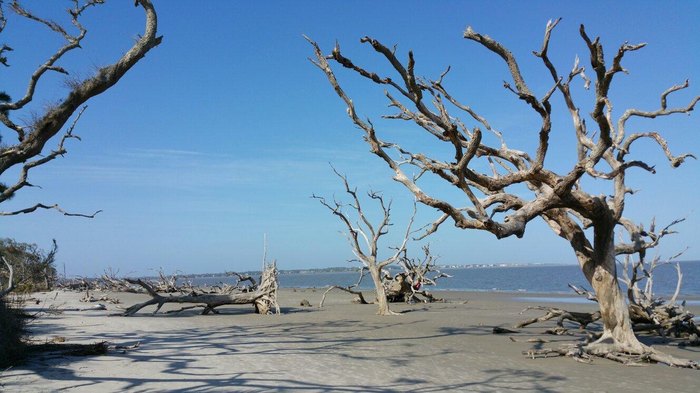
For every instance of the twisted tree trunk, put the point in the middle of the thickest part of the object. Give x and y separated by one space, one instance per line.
382 302
601 273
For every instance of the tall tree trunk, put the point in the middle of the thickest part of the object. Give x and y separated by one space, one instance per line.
382 303
601 273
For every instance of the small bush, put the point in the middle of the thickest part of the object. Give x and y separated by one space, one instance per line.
34 268
12 334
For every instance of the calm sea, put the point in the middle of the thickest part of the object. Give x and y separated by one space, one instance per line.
532 279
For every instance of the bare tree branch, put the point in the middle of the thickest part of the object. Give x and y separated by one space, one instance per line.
31 139
494 201
47 207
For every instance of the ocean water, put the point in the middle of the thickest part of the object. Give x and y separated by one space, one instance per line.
524 279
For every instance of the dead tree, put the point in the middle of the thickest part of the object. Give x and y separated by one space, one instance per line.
263 297
28 150
655 313
648 311
10 279
364 237
495 201
410 285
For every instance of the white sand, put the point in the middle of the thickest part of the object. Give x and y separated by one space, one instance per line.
341 348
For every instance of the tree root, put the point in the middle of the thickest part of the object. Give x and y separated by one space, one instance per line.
582 318
615 352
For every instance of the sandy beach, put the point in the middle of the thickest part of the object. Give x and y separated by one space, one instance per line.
342 347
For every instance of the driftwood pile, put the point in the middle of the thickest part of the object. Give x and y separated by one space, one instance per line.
170 289
648 312
263 295
407 286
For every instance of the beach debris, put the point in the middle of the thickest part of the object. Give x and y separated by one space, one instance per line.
648 313
559 331
500 330
693 341
583 319
262 296
304 303
410 285
359 297
586 352
96 307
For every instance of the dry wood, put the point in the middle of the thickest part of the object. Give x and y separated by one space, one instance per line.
27 152
359 297
582 318
264 297
364 238
495 202
410 285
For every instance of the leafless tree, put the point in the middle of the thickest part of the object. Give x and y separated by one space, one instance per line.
648 311
410 284
364 237
28 150
495 202
10 279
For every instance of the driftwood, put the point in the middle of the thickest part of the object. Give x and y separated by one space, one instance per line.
586 352
648 313
264 297
409 285
359 297
402 287
582 318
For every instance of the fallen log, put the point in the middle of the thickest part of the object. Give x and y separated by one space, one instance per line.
210 301
264 297
359 297
582 318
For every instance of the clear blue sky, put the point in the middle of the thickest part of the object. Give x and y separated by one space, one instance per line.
222 133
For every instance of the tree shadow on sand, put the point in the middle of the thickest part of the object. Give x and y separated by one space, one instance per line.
339 356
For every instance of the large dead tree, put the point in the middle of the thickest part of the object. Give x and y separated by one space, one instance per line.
27 152
495 201
364 237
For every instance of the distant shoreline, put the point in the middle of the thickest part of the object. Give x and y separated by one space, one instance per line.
342 269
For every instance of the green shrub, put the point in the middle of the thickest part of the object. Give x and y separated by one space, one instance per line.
34 268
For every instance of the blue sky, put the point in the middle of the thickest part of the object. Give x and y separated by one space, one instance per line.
222 133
